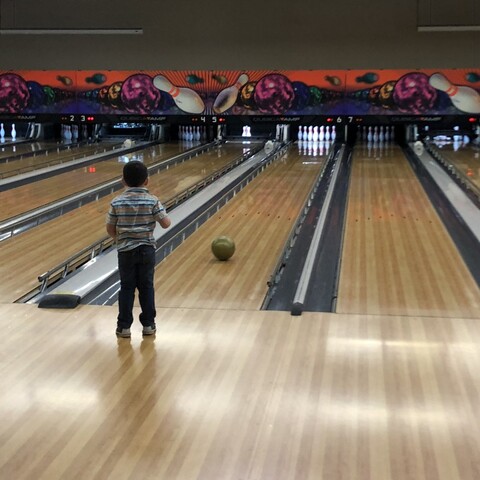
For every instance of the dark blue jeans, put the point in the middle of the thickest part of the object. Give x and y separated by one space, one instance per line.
136 268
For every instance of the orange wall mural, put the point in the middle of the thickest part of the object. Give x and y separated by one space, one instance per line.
259 92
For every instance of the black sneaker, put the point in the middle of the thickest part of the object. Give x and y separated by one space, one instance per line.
123 332
150 330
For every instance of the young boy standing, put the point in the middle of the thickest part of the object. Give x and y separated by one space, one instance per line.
130 222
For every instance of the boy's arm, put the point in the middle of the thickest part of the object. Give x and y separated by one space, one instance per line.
111 223
112 230
160 215
165 222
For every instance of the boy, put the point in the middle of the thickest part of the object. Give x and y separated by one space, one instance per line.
130 222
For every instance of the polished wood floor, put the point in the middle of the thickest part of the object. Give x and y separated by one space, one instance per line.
238 394
259 219
227 392
397 257
26 256
75 152
10 152
42 192
466 159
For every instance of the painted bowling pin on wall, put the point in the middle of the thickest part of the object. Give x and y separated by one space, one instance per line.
186 99
228 96
463 98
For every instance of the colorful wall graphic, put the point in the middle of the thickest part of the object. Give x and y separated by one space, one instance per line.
313 92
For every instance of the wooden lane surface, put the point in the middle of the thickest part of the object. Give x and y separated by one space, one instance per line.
25 256
238 394
33 195
15 149
398 257
29 164
466 160
258 219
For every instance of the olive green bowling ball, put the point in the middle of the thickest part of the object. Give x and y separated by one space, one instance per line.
223 247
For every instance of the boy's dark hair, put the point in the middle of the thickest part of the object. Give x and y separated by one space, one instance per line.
135 173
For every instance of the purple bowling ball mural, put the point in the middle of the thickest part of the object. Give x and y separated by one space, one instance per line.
413 94
139 95
263 93
274 94
14 93
425 92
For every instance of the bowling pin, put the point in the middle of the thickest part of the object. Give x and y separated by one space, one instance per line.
334 133
369 134
14 132
315 134
375 134
321 146
300 146
327 133
185 99
463 98
300 134
228 96
310 133
321 134
2 131
456 143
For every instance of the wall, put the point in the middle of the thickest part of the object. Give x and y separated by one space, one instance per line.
227 34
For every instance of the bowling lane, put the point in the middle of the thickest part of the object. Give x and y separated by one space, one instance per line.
465 158
54 157
25 256
14 149
398 258
259 219
33 195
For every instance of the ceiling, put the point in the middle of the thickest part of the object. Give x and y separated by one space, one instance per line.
465 13
153 13
212 34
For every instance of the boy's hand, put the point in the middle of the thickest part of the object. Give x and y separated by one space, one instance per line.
112 230
165 222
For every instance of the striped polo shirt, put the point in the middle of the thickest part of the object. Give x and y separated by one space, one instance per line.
135 213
